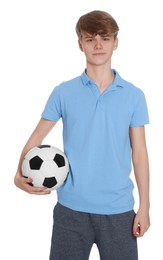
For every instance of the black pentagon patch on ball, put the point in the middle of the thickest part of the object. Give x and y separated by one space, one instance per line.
59 160
43 146
50 182
35 163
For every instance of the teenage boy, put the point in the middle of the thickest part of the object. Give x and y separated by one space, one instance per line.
103 132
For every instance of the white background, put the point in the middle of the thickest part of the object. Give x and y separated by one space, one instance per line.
38 50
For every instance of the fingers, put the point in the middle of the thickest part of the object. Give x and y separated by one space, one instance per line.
25 184
137 232
35 190
39 190
140 229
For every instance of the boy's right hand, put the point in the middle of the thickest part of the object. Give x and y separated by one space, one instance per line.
24 184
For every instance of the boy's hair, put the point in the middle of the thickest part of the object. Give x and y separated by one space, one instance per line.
97 22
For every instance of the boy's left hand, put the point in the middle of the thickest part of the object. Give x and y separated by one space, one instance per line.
141 223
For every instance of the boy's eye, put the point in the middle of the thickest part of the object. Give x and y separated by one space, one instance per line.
89 39
106 38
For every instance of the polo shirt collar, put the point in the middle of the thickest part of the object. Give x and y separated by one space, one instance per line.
117 82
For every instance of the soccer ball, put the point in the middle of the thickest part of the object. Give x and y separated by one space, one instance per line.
47 165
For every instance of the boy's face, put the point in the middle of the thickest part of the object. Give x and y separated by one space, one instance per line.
98 49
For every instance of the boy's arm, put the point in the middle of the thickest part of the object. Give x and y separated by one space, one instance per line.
141 171
42 129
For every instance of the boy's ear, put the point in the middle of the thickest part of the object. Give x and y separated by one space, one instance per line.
80 45
115 43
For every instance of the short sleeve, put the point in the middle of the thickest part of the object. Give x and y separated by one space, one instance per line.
52 110
140 114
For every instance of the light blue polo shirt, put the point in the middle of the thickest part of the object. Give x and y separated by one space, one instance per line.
96 142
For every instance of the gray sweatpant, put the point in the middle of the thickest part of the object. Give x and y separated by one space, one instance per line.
74 234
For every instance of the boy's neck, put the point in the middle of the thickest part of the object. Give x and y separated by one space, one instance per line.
102 76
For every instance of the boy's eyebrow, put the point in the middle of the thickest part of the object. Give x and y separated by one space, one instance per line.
87 35
93 35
